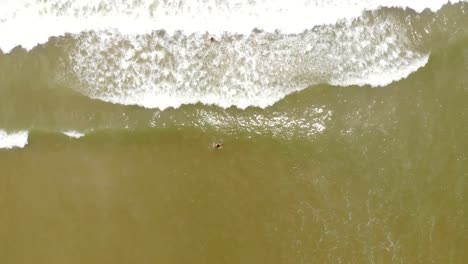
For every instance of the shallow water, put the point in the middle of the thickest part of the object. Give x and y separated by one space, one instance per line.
100 163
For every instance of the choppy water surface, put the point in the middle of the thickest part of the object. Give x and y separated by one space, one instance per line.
343 125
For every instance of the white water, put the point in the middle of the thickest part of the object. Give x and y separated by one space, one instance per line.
382 74
13 140
30 22
118 56
161 70
74 134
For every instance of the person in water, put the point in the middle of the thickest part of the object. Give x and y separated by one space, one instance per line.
217 146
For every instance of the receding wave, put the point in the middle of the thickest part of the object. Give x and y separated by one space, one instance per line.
13 139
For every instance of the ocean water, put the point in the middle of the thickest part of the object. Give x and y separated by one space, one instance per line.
343 125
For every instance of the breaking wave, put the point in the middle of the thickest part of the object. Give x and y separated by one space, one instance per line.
74 134
161 70
13 140
37 20
161 54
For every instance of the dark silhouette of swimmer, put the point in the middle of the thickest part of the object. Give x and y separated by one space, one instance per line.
212 40
217 146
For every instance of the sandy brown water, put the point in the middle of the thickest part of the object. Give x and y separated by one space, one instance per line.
326 175
167 196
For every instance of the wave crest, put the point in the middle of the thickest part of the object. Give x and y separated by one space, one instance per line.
13 140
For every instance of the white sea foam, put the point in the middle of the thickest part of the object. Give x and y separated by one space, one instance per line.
119 57
382 75
74 134
13 140
29 22
162 70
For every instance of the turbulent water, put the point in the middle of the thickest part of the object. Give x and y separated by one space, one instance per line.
343 125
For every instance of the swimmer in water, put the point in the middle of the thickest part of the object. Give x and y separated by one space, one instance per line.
217 146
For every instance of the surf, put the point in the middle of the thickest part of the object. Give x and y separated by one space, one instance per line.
163 70
11 140
157 55
38 20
